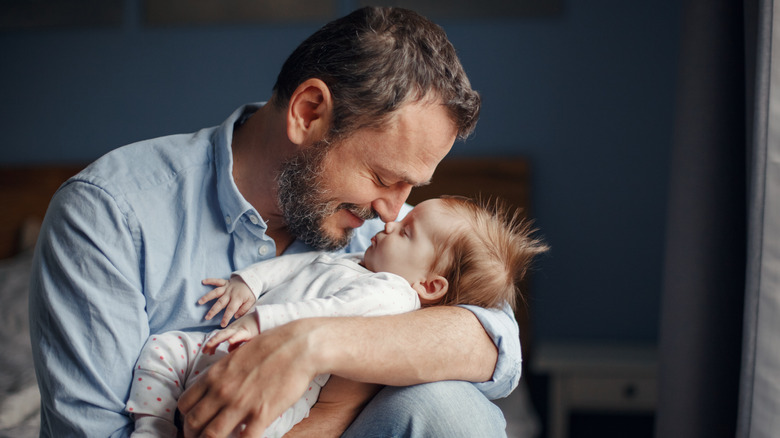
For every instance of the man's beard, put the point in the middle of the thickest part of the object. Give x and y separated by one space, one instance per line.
305 203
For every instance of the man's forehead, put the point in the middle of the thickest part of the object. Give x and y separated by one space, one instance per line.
410 145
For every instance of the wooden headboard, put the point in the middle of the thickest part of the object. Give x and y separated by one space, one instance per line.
505 178
508 179
25 192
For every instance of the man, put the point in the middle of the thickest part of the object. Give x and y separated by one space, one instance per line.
362 112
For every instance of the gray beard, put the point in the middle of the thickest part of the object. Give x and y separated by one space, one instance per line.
304 201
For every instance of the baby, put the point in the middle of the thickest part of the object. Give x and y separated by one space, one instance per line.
446 251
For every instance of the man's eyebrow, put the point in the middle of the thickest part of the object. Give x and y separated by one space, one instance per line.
406 178
421 184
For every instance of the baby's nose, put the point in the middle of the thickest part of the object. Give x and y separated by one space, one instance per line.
390 226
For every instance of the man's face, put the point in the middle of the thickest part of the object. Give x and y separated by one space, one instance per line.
326 191
304 201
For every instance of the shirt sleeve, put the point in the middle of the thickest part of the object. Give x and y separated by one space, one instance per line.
501 326
272 272
369 295
87 313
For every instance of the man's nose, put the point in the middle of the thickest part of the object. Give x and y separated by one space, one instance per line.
389 205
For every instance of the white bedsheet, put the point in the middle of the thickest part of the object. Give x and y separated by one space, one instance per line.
19 397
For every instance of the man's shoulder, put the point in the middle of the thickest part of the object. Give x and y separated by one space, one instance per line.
149 164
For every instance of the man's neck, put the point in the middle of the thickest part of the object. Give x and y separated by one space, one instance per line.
260 146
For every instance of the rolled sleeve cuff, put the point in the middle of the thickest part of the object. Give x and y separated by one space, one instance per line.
502 328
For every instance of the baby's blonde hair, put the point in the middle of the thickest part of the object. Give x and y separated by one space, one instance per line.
486 261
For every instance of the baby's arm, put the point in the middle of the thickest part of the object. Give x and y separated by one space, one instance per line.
379 294
240 331
374 295
239 294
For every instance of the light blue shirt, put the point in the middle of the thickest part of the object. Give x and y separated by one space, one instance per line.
121 254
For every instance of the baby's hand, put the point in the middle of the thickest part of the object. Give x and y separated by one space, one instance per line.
234 296
242 330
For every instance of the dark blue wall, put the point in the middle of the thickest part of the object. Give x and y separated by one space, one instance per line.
588 96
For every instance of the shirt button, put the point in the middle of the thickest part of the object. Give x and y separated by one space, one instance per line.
254 219
263 250
227 220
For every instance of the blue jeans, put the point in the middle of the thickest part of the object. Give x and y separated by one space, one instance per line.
440 409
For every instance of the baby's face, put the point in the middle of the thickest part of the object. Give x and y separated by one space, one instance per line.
407 248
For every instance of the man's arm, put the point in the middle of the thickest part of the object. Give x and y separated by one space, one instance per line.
339 403
437 343
87 318
429 345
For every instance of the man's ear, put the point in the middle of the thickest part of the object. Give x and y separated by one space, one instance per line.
309 112
432 289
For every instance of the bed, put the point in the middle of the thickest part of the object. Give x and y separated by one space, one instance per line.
25 193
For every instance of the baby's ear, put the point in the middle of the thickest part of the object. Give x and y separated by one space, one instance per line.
431 290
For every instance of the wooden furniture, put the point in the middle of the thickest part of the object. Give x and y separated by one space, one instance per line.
25 192
596 378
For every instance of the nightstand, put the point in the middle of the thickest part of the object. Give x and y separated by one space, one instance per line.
596 377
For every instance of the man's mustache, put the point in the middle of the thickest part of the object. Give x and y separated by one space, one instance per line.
364 213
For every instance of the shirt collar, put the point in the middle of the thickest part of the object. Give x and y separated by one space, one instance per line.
231 201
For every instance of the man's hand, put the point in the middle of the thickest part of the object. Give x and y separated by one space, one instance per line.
251 386
261 379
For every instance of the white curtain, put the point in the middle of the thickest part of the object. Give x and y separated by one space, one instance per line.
759 401
719 342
